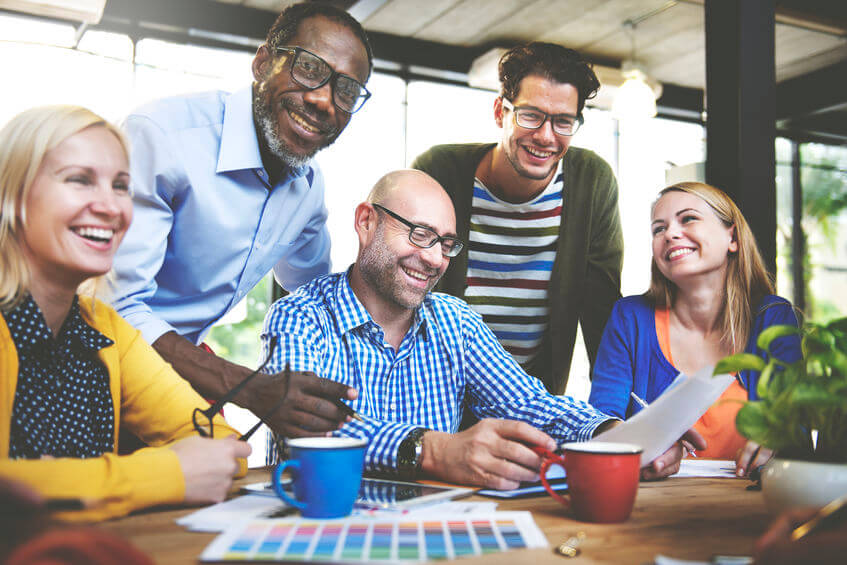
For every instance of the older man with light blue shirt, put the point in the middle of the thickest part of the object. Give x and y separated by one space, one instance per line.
226 190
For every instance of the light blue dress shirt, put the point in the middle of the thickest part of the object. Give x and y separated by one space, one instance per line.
208 225
448 359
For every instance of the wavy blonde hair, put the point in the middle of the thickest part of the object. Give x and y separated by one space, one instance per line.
24 142
747 280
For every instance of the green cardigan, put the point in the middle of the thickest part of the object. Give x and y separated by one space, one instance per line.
586 277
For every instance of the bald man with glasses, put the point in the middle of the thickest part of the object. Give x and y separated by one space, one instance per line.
418 358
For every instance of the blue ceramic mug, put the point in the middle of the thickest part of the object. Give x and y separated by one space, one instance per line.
327 473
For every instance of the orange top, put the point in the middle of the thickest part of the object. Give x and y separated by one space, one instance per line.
717 425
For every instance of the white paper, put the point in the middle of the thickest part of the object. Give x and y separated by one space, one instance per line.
656 427
555 472
707 468
453 507
218 517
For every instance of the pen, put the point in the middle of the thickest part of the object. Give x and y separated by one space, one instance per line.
347 410
830 515
687 446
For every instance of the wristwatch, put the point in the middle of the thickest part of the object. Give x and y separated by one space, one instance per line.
409 454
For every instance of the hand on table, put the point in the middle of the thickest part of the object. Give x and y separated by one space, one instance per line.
751 456
301 404
492 453
668 462
775 546
208 466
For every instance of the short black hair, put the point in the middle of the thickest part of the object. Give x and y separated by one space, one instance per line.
551 61
288 22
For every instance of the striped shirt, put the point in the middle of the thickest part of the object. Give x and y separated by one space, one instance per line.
448 359
510 257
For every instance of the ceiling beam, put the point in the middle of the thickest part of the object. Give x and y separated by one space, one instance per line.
819 91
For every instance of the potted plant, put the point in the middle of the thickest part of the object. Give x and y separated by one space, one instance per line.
801 414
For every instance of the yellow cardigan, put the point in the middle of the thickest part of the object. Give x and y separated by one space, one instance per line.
148 396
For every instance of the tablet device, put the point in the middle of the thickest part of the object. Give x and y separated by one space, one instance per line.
384 494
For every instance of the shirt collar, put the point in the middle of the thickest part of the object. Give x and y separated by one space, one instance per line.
76 326
30 332
350 313
239 142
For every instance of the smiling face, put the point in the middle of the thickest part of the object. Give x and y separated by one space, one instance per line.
294 122
78 209
534 153
689 239
396 270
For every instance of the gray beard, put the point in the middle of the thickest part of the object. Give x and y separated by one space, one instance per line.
276 146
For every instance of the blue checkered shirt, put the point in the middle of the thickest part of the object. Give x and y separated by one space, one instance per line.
448 359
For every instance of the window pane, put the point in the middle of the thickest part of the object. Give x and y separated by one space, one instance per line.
45 71
443 113
784 221
824 183
371 145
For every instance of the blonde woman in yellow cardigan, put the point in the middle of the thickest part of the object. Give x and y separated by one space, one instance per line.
72 371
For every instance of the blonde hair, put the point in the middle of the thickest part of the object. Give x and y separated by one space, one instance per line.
747 280
24 142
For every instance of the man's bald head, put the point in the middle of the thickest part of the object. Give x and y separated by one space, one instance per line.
398 186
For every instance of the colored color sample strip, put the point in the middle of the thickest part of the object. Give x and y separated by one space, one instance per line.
325 548
485 536
354 543
300 542
511 535
461 538
434 540
245 542
273 542
381 541
407 541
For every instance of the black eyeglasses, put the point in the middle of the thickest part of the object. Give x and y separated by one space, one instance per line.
533 118
203 419
310 71
425 237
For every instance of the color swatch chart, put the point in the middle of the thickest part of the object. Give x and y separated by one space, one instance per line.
393 540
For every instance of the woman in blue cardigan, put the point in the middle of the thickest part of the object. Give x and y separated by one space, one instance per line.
710 296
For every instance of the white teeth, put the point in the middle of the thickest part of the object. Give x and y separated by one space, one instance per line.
95 233
415 275
679 252
304 124
537 153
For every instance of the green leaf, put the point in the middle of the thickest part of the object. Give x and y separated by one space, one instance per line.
839 324
774 332
813 395
764 379
739 362
752 422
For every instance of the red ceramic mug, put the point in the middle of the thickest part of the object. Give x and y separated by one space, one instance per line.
602 478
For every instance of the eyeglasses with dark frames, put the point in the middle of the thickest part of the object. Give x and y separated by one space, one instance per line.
533 118
312 72
425 237
203 419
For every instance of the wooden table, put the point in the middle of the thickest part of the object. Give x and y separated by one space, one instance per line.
684 518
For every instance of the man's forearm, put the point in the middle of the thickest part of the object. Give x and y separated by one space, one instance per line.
211 376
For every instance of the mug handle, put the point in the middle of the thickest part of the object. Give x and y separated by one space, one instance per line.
551 458
277 483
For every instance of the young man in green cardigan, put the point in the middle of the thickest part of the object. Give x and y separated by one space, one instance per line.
541 218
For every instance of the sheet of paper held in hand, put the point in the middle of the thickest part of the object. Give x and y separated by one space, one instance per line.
656 427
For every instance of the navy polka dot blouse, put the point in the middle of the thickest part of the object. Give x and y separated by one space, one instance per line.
63 405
